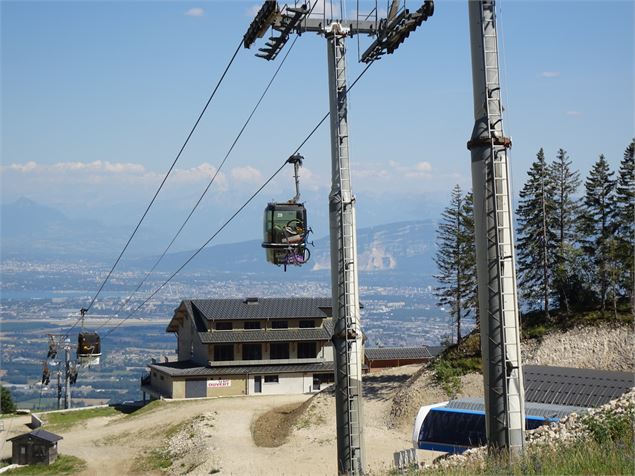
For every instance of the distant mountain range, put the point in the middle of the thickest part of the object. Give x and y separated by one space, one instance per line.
31 231
405 246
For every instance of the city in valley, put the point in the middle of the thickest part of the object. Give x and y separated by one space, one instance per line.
44 298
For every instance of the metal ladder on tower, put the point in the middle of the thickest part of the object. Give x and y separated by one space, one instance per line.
498 194
348 294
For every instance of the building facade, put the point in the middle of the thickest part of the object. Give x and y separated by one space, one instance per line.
246 347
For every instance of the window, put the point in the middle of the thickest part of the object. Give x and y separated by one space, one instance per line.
279 324
161 377
224 352
307 324
252 325
271 379
279 350
307 350
252 351
224 326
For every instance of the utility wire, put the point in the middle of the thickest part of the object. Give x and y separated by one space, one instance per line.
164 179
231 148
230 219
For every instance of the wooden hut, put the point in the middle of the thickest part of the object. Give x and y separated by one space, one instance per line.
39 446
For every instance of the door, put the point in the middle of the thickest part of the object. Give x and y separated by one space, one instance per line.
258 384
195 388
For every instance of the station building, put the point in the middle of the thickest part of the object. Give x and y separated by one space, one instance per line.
246 347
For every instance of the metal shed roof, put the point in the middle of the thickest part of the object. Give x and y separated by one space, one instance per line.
577 387
40 434
531 408
397 353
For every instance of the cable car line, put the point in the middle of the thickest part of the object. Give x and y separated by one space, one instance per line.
164 179
229 151
306 139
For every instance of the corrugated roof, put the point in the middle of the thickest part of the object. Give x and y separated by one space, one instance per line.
396 353
577 387
191 369
268 335
41 434
262 308
545 410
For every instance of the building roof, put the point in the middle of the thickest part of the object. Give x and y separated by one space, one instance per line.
397 353
202 310
545 410
268 335
578 387
40 434
263 308
192 369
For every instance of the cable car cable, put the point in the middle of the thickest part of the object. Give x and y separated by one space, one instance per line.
165 177
230 219
110 331
229 151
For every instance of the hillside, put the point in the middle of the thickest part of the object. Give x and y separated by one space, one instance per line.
294 434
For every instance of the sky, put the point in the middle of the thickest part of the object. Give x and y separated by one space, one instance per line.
98 97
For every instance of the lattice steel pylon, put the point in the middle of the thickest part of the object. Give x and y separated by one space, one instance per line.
498 302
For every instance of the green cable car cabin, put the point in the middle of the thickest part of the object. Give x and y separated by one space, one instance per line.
285 232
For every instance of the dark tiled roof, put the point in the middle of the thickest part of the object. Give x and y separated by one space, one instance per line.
192 369
40 434
269 335
397 353
578 387
262 308
531 409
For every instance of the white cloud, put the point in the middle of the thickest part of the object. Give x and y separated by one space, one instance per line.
21 168
195 12
574 113
550 74
246 174
97 166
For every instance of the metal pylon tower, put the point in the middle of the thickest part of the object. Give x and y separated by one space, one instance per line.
498 304
347 335
389 33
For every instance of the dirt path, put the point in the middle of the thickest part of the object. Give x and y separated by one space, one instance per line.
220 438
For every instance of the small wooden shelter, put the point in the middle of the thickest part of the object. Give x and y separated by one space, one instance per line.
39 446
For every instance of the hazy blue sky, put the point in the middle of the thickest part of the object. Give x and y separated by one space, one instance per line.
97 98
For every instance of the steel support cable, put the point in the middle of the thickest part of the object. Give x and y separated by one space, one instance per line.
242 207
229 151
198 120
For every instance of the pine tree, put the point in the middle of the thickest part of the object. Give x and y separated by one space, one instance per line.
455 259
625 225
596 226
565 185
536 239
6 401
469 256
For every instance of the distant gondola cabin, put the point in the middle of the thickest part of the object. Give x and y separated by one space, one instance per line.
88 348
285 229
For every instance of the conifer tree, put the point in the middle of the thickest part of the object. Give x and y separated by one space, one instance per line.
536 239
565 183
625 224
596 225
469 256
455 259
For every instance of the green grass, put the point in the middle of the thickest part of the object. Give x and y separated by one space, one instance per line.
152 460
64 464
64 420
457 360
